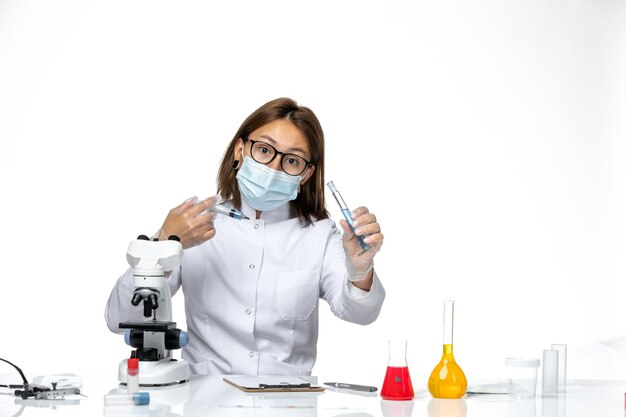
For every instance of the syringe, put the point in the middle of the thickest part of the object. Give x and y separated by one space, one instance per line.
346 213
235 214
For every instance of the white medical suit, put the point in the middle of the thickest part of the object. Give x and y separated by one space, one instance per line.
252 293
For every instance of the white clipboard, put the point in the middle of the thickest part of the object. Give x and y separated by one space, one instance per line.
263 384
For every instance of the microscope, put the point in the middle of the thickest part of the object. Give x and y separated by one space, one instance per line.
155 336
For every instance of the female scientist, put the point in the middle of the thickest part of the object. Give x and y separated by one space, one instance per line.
252 286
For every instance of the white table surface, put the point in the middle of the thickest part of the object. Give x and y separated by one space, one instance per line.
210 396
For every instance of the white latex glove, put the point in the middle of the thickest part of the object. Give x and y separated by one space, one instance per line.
190 221
359 263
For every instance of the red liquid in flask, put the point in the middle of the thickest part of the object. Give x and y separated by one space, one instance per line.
397 385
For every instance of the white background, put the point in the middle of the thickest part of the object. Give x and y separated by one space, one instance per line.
487 136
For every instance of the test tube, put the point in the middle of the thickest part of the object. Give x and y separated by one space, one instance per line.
346 214
132 375
550 369
562 366
138 398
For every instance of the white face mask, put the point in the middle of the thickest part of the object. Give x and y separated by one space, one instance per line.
264 187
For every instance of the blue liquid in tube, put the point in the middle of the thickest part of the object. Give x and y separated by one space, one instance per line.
346 214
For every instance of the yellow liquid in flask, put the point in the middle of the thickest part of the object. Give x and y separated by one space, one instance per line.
447 380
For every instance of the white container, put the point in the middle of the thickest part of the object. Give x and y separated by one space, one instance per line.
522 376
549 382
562 366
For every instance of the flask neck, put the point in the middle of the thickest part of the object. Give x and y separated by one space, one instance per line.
397 353
447 349
448 322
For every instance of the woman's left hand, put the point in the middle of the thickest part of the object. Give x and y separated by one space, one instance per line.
360 263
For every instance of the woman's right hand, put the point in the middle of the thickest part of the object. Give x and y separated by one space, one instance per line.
190 222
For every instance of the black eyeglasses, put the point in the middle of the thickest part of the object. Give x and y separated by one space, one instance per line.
264 153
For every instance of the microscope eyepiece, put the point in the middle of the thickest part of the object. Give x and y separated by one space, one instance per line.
136 299
154 301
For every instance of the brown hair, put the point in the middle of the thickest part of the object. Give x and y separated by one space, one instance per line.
309 205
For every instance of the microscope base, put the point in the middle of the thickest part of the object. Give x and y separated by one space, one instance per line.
166 371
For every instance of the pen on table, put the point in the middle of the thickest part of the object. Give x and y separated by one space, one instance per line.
235 214
354 387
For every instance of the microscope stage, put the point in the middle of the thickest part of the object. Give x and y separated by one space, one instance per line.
153 326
